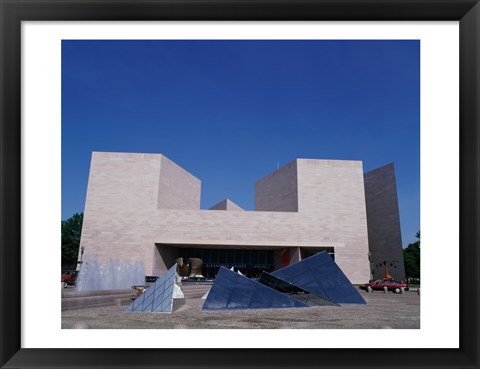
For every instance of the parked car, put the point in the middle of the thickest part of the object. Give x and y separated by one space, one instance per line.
391 285
69 278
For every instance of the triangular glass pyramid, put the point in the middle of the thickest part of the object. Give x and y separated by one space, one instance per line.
321 275
158 298
232 291
294 291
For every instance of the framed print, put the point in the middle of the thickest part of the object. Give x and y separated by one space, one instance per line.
48 79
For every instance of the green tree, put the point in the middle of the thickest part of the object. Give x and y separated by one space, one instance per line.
411 256
71 232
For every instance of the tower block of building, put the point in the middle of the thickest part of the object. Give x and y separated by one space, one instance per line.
384 234
329 197
144 207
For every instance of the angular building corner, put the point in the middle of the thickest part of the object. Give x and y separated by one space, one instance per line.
383 219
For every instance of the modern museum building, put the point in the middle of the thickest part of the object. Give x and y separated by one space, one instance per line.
144 207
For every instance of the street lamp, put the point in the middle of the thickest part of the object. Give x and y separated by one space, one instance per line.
82 250
371 265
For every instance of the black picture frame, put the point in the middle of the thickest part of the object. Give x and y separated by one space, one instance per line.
13 12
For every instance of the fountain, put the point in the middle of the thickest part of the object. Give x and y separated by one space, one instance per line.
113 275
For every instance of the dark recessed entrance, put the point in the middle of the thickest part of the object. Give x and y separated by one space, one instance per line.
250 262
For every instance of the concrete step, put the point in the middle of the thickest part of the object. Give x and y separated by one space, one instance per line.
85 306
83 299
88 301
195 291
73 299
196 288
74 293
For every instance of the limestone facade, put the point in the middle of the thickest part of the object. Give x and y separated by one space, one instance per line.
144 207
226 204
384 234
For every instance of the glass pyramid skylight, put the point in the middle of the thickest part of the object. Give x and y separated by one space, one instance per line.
321 275
232 291
158 298
294 291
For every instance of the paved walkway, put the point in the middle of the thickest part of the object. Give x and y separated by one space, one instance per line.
382 311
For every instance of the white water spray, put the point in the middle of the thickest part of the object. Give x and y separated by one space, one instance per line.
113 275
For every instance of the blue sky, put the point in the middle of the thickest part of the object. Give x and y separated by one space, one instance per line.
229 112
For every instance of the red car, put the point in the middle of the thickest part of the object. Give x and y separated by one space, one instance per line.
69 278
391 285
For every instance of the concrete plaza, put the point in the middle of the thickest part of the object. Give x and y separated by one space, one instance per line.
382 311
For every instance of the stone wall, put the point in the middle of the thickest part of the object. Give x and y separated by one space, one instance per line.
227 205
278 191
331 198
384 235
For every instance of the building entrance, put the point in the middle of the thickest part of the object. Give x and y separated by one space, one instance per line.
250 262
